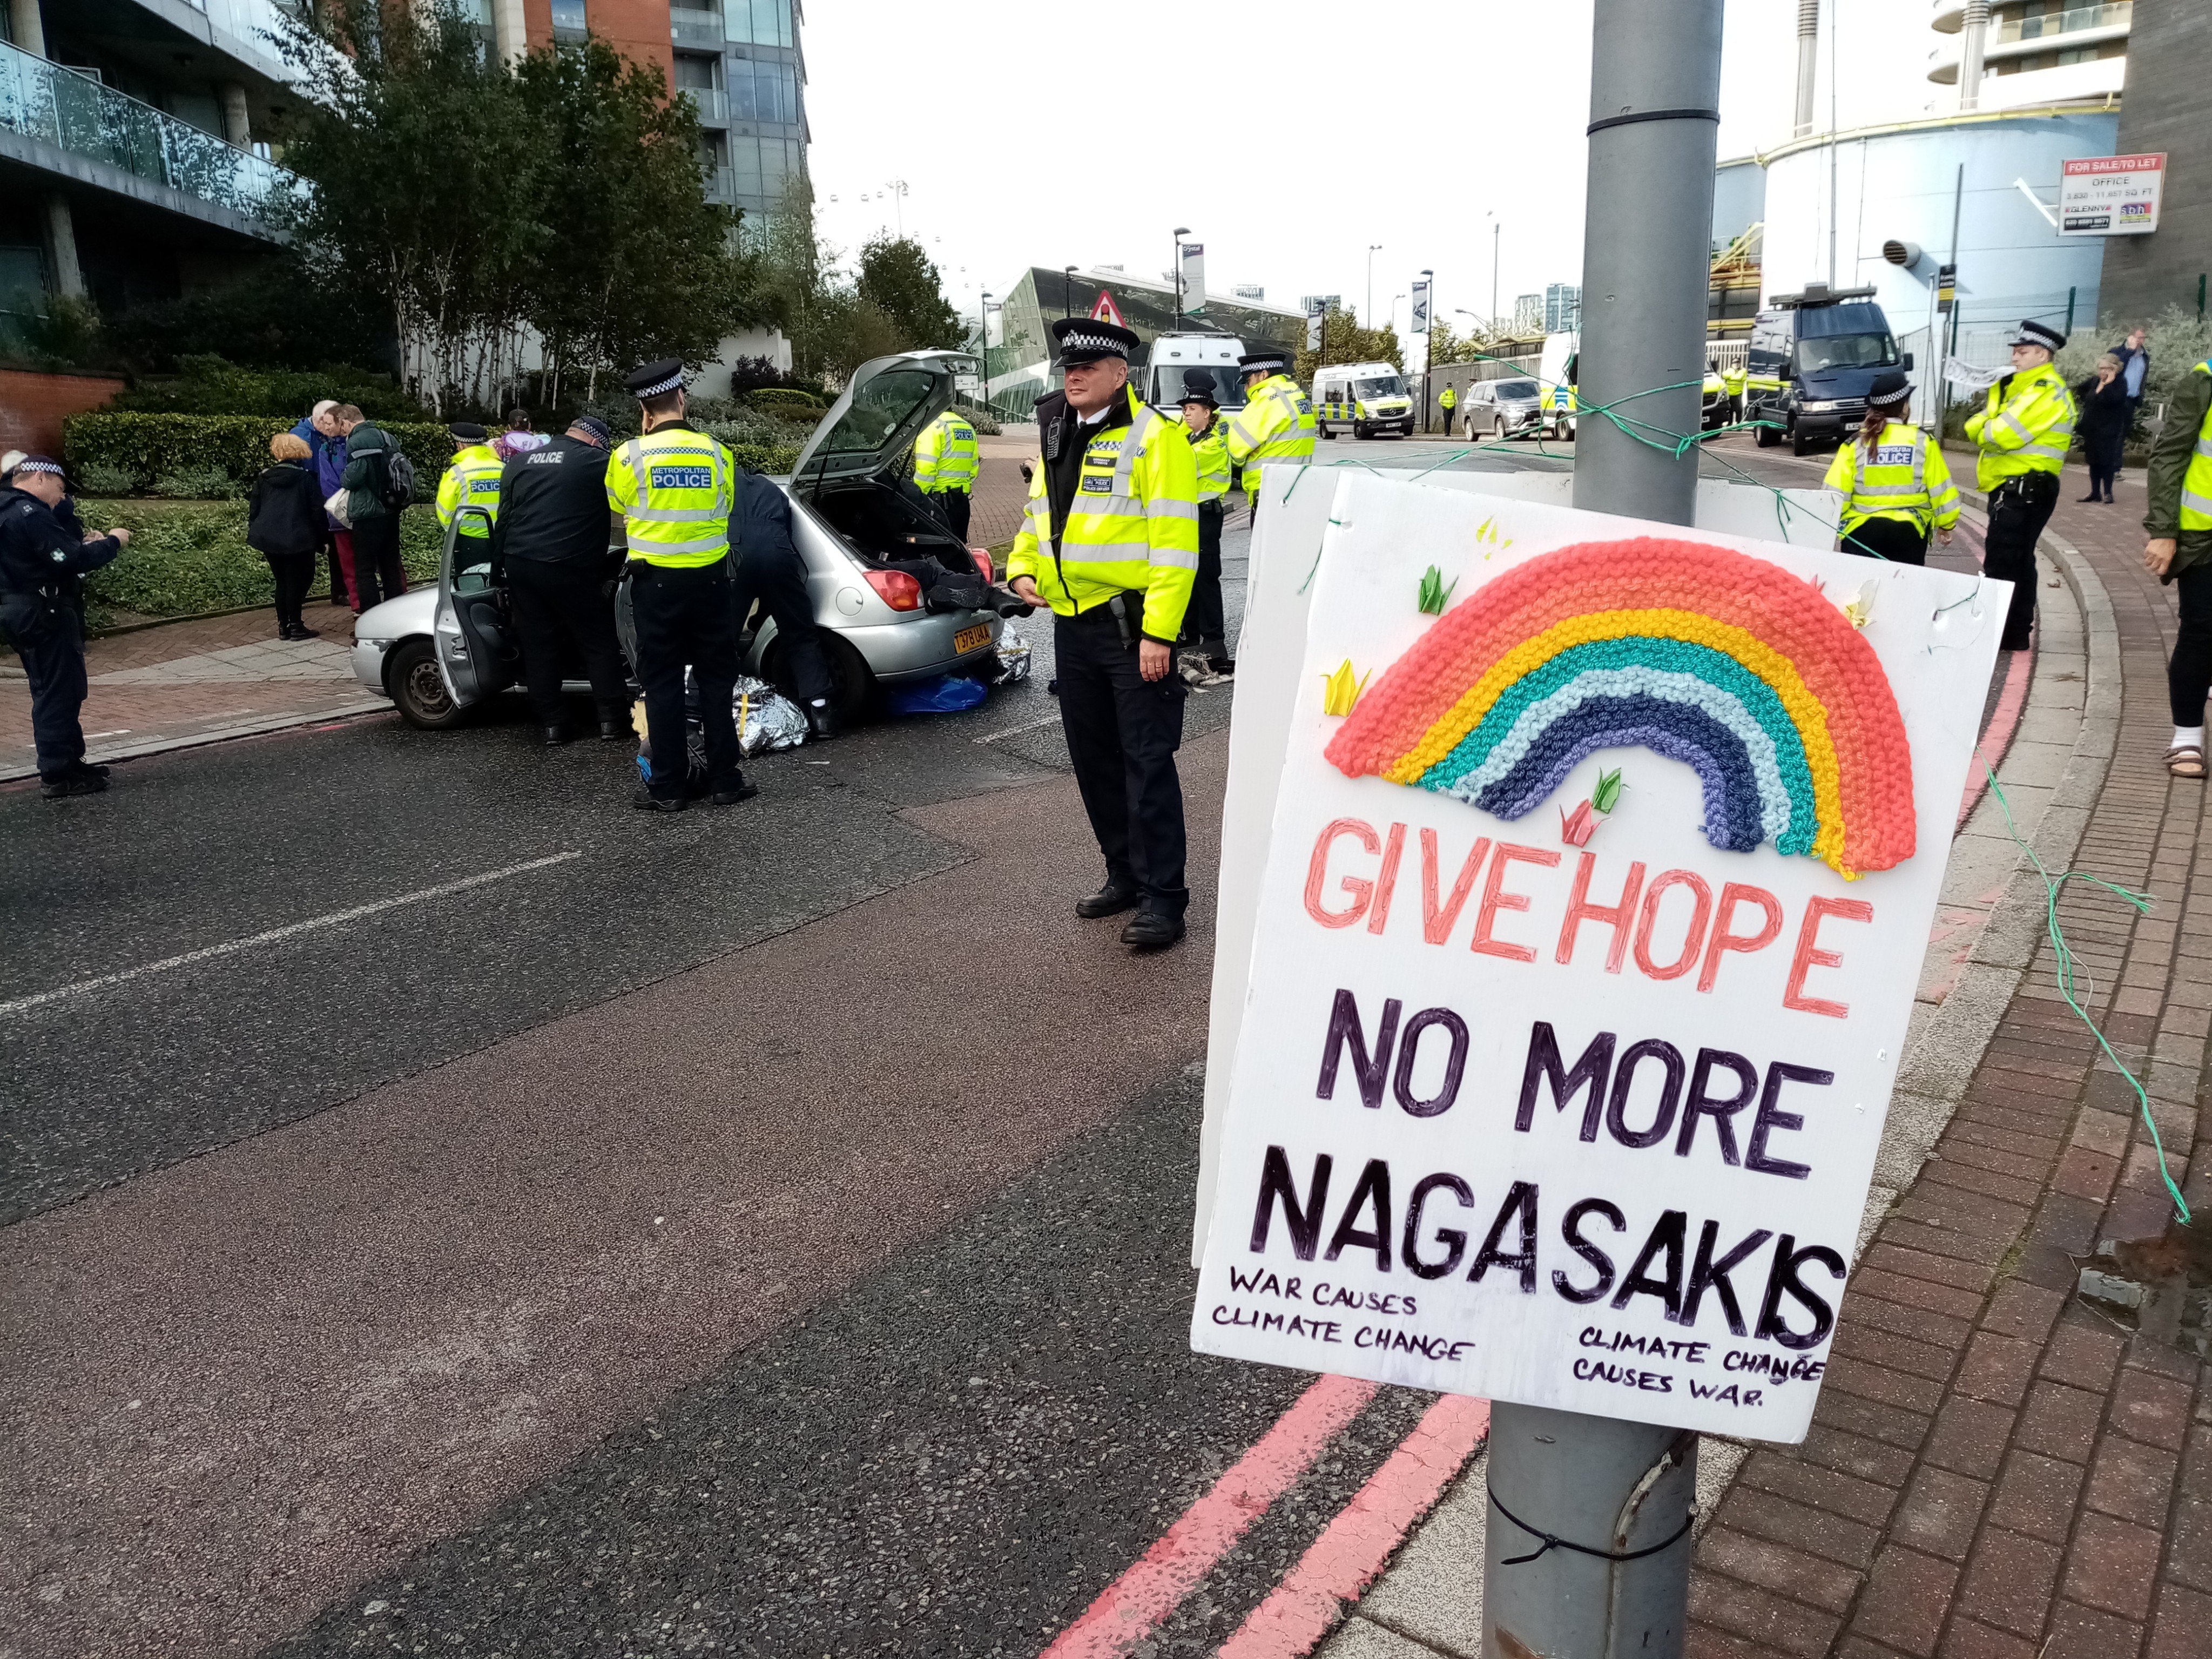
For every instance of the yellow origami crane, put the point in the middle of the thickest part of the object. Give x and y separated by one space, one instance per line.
1340 692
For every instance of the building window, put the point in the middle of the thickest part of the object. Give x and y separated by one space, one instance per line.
759 23
763 91
568 16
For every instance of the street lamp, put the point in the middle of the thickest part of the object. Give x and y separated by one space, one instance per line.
1066 286
897 188
1367 317
983 346
1181 232
1497 235
1428 349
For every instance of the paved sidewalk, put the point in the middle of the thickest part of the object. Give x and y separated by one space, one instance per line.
196 682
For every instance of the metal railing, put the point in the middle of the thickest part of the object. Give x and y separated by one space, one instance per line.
712 103
687 25
46 101
2068 21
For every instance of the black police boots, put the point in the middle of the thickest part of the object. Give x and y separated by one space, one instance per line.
557 735
78 780
739 788
646 801
821 721
1109 901
1151 930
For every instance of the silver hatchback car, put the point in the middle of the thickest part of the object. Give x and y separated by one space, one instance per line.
437 652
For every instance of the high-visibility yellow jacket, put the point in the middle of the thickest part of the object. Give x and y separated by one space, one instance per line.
1132 526
1210 449
2026 427
2197 482
1276 425
1905 477
471 480
1732 379
674 487
1448 397
945 455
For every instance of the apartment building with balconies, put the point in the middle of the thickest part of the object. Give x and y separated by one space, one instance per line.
2022 54
130 164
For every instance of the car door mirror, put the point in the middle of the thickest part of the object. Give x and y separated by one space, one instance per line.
1908 360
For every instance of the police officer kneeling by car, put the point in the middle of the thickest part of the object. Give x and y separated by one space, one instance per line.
771 570
672 487
42 564
1111 544
550 540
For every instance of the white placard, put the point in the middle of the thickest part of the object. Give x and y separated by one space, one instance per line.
1462 1217
2111 195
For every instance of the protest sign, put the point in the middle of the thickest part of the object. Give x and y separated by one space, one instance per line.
1602 860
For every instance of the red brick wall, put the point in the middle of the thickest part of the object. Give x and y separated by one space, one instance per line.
31 406
636 28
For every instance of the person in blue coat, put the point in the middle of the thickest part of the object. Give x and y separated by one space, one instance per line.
44 559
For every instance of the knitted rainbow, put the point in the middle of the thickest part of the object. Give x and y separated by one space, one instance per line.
1723 661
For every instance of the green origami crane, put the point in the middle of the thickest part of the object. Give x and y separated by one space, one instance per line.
1435 596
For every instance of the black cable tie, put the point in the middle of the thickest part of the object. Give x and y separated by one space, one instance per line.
1652 115
1552 1541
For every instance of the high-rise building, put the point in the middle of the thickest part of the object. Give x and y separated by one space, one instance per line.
1563 307
130 162
1528 315
1249 291
2033 52
740 61
1324 301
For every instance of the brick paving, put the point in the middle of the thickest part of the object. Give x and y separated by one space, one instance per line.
1001 492
1998 1470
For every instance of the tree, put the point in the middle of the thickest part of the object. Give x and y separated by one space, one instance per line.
901 281
1344 341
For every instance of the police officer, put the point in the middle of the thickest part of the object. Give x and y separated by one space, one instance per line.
673 488
944 468
551 540
1895 484
2179 522
2023 434
1449 400
472 479
1110 544
771 572
1275 424
1206 660
42 564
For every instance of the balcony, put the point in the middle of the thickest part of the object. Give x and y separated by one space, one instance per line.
47 104
2011 38
2110 18
689 27
712 103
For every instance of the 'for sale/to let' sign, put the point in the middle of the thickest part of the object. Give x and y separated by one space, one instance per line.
2111 195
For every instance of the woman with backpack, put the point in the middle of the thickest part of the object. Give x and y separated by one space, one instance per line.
378 481
285 524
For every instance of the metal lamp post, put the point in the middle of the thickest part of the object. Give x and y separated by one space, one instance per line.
1181 232
1428 350
1367 317
1066 286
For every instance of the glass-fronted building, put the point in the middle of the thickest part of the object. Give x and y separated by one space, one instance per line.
1021 364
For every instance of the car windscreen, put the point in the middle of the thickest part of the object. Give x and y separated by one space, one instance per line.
1844 336
1516 391
878 410
1171 380
1379 386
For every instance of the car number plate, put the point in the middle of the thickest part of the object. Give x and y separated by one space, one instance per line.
972 639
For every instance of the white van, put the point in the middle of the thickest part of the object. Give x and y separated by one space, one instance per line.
1556 374
1174 357
1368 397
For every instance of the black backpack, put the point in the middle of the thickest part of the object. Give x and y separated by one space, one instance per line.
399 479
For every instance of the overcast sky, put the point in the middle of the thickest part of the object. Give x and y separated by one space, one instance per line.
1286 133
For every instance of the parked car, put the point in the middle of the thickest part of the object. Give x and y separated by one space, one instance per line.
437 652
1504 408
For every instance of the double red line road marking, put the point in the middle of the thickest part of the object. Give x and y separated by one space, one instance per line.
1347 1557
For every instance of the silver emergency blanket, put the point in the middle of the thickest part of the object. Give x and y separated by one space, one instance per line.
767 720
1013 656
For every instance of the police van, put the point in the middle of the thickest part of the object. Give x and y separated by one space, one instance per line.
1367 398
1174 357
1813 356
1556 374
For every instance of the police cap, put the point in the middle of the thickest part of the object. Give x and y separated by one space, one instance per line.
1890 390
655 379
1266 361
38 463
1090 340
594 429
1198 388
2032 332
467 431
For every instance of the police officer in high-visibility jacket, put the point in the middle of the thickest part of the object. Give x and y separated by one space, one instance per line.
471 480
944 468
2023 434
1275 424
1206 658
674 487
1449 398
1110 544
1896 486
2178 521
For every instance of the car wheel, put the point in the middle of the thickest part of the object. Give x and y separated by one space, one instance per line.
852 684
1359 429
418 690
1799 443
1329 433
1765 436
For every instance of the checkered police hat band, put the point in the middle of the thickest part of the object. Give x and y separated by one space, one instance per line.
40 464
658 387
1079 341
1892 399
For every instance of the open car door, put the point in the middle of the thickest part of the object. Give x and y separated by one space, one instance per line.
476 654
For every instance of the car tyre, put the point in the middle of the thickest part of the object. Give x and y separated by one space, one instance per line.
1359 429
852 682
1799 443
1765 436
1329 432
418 690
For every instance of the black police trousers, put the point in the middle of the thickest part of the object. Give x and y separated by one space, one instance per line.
49 639
1897 540
560 608
1205 625
954 505
2018 509
1122 734
681 613
778 581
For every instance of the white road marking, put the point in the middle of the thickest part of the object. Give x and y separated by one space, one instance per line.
83 985
1016 731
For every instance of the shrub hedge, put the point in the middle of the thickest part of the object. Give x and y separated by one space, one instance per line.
783 397
150 447
188 558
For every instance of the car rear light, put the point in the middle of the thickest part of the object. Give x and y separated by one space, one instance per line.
983 557
895 589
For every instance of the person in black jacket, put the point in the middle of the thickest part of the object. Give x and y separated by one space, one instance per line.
285 524
2105 412
770 570
42 564
550 543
